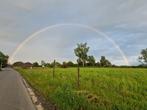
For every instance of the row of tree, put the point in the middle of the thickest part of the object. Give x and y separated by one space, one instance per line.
83 59
81 51
91 62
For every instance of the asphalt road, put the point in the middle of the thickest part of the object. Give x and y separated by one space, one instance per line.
13 94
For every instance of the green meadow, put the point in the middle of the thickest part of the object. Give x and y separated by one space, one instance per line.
100 88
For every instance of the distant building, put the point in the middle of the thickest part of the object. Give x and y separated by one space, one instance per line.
18 64
23 65
28 65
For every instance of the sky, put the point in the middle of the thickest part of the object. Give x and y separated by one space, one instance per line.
123 21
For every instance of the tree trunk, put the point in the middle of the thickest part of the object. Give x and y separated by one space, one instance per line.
78 76
54 68
83 63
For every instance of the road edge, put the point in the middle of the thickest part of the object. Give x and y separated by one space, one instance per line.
33 96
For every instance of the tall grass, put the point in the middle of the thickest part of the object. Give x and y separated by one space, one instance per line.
100 88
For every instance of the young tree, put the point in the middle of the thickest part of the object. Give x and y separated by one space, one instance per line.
143 56
81 52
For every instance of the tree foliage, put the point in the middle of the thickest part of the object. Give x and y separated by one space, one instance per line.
3 60
91 61
35 64
81 52
57 64
143 56
43 63
70 64
64 65
104 62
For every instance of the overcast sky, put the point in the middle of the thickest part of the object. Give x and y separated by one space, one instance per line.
124 21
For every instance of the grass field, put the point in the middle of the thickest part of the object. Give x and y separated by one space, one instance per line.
100 88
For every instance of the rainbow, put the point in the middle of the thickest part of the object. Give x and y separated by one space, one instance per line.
29 38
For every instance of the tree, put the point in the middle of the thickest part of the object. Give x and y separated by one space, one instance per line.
3 60
81 52
43 63
57 64
91 60
98 64
70 64
47 65
54 66
143 56
35 64
104 62
64 65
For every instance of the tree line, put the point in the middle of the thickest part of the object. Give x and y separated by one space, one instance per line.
91 63
83 60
